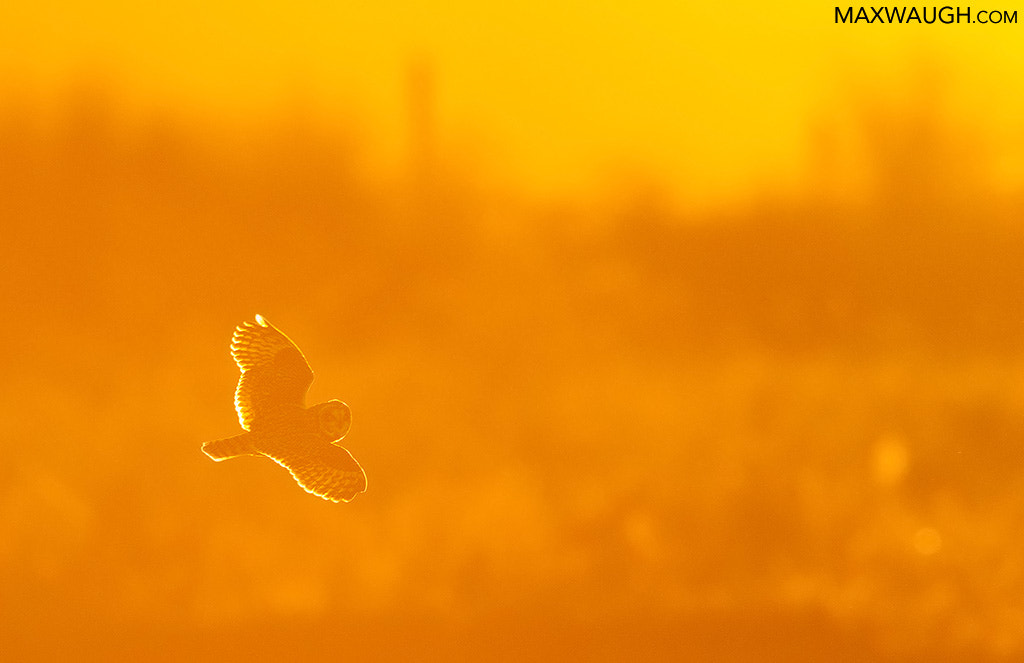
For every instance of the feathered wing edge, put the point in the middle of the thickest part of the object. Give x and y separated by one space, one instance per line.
263 352
336 478
231 447
334 475
256 344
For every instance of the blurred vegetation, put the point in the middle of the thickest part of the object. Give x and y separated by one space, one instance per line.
593 429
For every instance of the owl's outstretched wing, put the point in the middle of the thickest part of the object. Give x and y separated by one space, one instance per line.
274 372
329 471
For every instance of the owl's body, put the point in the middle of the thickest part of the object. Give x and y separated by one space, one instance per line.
269 400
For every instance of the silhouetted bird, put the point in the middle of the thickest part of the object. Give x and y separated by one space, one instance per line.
270 400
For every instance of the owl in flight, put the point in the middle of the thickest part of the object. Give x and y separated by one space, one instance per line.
270 401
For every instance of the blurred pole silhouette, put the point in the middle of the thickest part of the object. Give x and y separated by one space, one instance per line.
420 100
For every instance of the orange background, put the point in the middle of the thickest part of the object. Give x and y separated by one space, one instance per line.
670 333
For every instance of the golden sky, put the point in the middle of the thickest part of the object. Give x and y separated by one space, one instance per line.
715 99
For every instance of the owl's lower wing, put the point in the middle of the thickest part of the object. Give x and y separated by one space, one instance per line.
329 471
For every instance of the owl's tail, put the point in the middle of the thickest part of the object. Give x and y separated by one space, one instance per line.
229 447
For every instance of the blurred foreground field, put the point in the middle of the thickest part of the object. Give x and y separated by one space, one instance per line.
599 429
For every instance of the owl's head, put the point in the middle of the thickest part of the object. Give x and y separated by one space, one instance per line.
334 418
